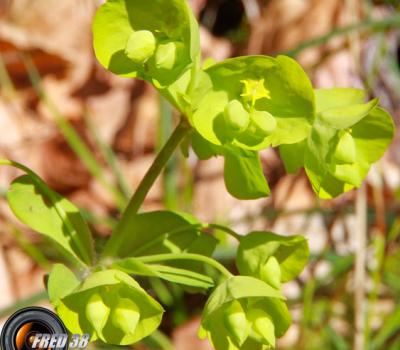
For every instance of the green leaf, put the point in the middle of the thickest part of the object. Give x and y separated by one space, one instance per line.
277 86
158 232
388 329
239 287
133 266
243 174
62 281
183 276
257 248
123 44
234 315
330 177
53 216
167 273
112 301
338 97
345 117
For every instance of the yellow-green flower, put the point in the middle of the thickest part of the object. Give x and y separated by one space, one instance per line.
254 90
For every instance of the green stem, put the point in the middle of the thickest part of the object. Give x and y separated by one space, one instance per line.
145 185
393 21
226 230
186 256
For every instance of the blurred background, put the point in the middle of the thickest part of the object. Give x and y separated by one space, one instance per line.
92 135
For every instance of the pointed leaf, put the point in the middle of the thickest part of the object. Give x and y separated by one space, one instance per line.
51 215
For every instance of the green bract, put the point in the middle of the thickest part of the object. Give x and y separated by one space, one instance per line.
276 86
233 109
155 40
161 232
109 305
271 257
244 313
347 137
340 152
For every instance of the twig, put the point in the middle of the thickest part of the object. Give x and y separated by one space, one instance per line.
359 274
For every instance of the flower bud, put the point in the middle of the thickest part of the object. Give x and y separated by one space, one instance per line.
263 122
97 312
270 272
235 322
345 152
236 117
167 54
263 325
140 46
125 315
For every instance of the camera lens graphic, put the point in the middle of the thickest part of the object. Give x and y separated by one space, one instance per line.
21 328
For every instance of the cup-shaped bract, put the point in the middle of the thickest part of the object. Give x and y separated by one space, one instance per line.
348 136
111 306
271 257
275 92
154 40
244 313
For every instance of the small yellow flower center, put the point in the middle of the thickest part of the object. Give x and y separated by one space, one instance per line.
254 90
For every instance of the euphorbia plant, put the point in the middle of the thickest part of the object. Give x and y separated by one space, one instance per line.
233 109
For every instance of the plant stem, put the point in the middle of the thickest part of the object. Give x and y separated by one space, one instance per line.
186 256
393 21
145 185
226 230
359 273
